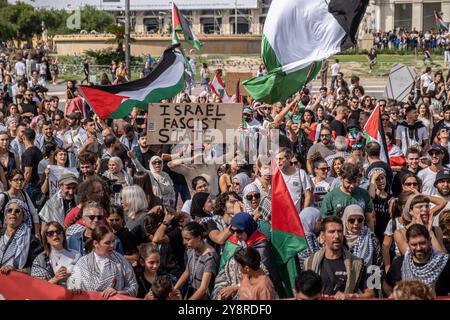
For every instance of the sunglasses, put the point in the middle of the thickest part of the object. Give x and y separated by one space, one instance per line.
156 162
385 119
359 220
18 180
92 217
323 169
14 211
51 234
394 114
434 153
325 135
411 184
255 196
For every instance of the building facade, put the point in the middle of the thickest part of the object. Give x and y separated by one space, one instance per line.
386 15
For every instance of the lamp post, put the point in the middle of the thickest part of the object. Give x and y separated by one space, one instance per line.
127 38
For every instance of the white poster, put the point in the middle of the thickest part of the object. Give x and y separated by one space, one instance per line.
55 173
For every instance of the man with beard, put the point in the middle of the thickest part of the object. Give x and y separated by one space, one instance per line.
325 148
421 262
142 150
442 184
47 137
343 274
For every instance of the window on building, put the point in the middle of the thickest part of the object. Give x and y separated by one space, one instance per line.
403 16
243 25
211 25
152 25
428 15
265 5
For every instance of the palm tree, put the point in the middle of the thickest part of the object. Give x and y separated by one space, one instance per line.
118 30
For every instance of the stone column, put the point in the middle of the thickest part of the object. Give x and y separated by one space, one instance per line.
196 25
139 22
387 14
255 25
417 15
226 26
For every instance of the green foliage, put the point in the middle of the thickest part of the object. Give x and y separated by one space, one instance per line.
94 19
7 31
119 35
105 56
24 18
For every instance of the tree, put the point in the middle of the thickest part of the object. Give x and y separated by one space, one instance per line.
7 31
119 35
94 19
24 18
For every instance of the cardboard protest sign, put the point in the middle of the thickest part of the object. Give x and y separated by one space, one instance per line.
178 122
55 173
400 82
231 79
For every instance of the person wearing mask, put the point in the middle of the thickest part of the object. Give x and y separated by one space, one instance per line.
343 274
420 262
56 263
103 269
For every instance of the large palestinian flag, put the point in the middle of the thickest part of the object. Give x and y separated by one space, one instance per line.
298 35
179 23
117 101
288 237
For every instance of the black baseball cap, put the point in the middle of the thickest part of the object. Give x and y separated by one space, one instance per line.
442 175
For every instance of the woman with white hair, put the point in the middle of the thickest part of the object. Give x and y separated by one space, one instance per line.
117 173
18 247
135 205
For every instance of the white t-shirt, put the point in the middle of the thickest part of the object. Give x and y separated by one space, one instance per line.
335 68
296 184
64 258
20 68
187 206
320 190
426 79
428 178
402 133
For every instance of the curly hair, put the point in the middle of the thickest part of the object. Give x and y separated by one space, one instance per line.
413 290
219 206
444 223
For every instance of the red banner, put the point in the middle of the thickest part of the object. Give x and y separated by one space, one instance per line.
20 286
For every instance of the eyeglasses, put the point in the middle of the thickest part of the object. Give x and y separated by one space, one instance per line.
353 220
385 119
51 234
14 211
255 196
92 217
323 169
156 162
411 184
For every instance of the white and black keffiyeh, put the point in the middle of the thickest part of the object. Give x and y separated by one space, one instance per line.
14 252
363 247
428 273
117 273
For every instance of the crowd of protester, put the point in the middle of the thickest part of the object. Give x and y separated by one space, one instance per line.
144 220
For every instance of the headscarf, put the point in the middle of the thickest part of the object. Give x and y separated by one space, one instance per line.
16 253
243 180
152 168
360 244
248 189
244 221
198 202
309 216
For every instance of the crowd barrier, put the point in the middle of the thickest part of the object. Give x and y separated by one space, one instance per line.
19 286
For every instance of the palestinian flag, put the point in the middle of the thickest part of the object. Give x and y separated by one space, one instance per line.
232 246
218 88
179 23
440 23
298 35
117 101
288 237
373 131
